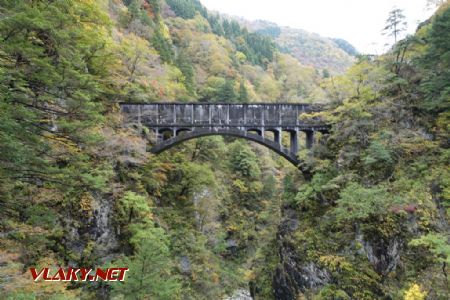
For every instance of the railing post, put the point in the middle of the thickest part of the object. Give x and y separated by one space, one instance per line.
245 113
174 114
280 108
262 116
210 114
139 116
158 114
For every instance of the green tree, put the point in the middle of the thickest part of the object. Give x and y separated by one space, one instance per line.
243 93
357 202
395 24
187 8
244 160
227 92
185 65
438 244
436 64
162 45
132 206
52 87
149 274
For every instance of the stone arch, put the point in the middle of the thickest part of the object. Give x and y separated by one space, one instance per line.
276 147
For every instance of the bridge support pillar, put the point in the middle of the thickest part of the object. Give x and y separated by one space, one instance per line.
156 135
277 136
294 142
309 139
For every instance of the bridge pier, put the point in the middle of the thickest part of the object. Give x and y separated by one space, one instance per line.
277 136
294 142
309 139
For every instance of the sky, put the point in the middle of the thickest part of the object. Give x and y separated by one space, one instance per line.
360 22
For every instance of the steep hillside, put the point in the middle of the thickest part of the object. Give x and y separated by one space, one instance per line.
373 223
215 215
78 189
334 55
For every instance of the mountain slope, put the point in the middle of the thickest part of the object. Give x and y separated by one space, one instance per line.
215 215
334 55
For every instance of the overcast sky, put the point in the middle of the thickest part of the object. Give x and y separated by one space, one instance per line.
358 21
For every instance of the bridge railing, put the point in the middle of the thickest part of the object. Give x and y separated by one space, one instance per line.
217 114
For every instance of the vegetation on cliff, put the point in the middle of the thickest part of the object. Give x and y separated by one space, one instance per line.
216 214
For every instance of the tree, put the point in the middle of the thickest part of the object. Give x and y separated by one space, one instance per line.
244 160
132 205
439 246
395 24
436 63
227 92
185 65
357 202
187 8
149 273
243 93
52 65
163 45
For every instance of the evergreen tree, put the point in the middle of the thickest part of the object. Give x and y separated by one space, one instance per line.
395 24
149 275
51 65
163 46
156 6
243 93
185 65
436 62
227 92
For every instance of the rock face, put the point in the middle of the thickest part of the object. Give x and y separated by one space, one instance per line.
240 295
103 233
95 229
293 275
291 279
383 255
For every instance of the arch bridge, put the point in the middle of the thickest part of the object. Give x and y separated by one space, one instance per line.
174 123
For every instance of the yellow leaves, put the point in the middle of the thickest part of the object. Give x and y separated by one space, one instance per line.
165 30
240 57
249 275
19 281
232 228
354 109
335 263
43 195
268 88
86 203
240 185
414 293
215 278
413 143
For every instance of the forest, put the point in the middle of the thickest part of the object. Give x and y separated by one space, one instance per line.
219 217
